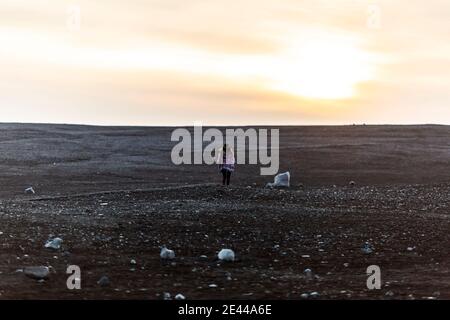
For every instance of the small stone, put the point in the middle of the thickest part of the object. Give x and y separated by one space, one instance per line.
66 254
309 274
226 255
30 190
104 281
37 273
180 297
367 248
54 243
167 254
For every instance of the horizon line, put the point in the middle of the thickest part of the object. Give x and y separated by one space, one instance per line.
223 125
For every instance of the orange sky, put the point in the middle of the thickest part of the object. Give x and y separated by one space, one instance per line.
172 62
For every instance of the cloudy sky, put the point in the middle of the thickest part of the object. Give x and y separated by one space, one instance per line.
171 62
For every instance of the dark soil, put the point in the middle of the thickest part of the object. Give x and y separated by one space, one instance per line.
113 196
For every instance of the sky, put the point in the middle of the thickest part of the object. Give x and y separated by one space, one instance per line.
247 62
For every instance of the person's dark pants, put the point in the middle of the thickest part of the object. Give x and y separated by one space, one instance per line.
226 175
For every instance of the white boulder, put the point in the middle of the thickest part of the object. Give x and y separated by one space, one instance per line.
38 273
54 243
167 254
282 180
226 255
30 190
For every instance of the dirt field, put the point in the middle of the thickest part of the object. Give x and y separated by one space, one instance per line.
113 196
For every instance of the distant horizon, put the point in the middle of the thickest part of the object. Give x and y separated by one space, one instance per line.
227 125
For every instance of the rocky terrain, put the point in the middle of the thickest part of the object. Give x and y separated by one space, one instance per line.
114 198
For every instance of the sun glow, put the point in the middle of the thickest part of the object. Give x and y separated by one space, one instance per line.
322 68
316 66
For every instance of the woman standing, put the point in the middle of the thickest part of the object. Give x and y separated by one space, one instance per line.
226 163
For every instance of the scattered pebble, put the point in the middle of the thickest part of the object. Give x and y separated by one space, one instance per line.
167 254
308 274
30 190
37 273
104 281
226 255
54 243
367 248
180 297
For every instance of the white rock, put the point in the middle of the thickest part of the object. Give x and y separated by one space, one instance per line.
167 254
30 190
54 243
282 180
180 297
104 281
37 273
367 248
308 274
226 255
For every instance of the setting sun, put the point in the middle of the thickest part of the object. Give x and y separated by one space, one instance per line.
290 62
326 67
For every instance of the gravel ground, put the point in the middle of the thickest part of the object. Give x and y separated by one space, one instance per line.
276 235
113 196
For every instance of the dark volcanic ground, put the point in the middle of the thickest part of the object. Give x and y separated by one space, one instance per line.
113 196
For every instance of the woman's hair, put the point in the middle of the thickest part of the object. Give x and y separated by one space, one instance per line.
227 148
